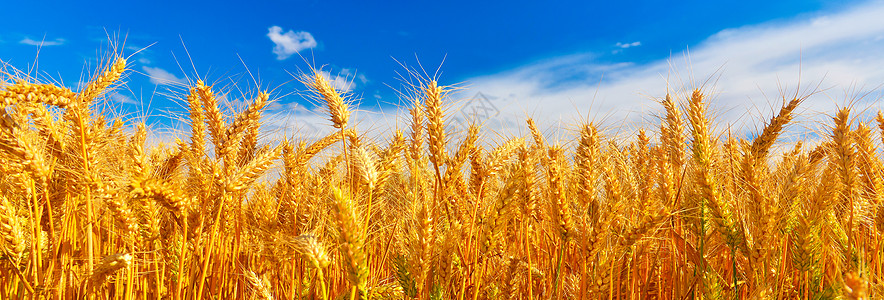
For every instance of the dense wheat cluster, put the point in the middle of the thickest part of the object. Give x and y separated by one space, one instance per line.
677 211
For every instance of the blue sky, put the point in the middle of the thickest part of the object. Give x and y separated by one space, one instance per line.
558 62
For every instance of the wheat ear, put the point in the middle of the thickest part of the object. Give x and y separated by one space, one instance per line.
100 83
352 240
23 91
109 265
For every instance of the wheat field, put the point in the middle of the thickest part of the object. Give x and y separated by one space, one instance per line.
677 211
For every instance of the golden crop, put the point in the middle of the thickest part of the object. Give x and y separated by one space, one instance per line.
678 211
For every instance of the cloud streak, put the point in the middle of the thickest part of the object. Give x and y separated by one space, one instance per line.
29 41
749 67
123 99
628 45
340 82
746 72
291 42
160 76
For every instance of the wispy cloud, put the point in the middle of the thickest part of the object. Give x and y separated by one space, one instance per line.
745 70
341 83
628 45
290 42
749 67
29 41
120 98
350 73
345 80
161 77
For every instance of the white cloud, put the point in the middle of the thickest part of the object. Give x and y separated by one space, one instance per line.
749 67
350 73
627 45
161 77
290 42
29 41
120 98
343 81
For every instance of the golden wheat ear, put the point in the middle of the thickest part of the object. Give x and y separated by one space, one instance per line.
434 94
260 286
366 166
335 102
705 154
10 229
352 240
212 111
672 136
415 147
105 79
107 267
560 209
25 92
587 153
